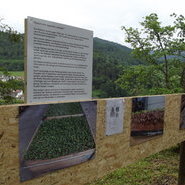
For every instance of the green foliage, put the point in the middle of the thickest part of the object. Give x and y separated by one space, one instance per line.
98 93
6 87
17 73
104 52
108 61
113 52
10 42
144 79
13 35
13 101
10 49
12 64
160 168
59 137
64 109
162 48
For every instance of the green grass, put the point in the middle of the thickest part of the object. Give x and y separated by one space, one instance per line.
12 60
64 109
146 111
59 137
15 101
97 93
158 169
15 73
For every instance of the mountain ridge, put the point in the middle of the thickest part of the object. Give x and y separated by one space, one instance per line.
115 51
109 59
107 49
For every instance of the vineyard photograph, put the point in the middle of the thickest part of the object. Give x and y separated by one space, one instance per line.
147 118
56 136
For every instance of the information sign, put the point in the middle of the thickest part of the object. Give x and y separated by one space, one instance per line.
58 62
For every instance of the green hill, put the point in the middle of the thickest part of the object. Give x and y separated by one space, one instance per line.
11 53
113 51
109 58
10 49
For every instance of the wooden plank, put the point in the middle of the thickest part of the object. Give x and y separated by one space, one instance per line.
112 152
181 179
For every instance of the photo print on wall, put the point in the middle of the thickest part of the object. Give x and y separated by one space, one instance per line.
147 118
55 136
182 114
115 109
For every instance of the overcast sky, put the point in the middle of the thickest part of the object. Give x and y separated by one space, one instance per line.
104 17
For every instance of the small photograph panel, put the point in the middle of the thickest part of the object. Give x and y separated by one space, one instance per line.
147 119
182 113
55 136
115 109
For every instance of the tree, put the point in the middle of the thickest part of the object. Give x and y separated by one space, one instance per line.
163 47
6 87
13 34
144 79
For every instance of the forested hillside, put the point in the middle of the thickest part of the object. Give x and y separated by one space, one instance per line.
108 61
103 51
11 53
116 73
10 49
113 52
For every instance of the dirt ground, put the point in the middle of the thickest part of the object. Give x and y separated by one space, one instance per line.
165 180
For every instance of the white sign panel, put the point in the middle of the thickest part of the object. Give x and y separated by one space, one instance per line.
114 116
59 61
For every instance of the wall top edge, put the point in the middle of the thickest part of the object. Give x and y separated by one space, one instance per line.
95 99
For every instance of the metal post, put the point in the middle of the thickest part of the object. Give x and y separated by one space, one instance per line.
181 179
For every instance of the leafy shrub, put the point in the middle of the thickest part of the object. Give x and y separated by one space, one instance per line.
59 137
64 109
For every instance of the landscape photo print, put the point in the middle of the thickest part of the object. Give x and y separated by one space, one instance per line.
55 136
147 118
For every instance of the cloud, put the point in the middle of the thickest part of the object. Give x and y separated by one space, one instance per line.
104 17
